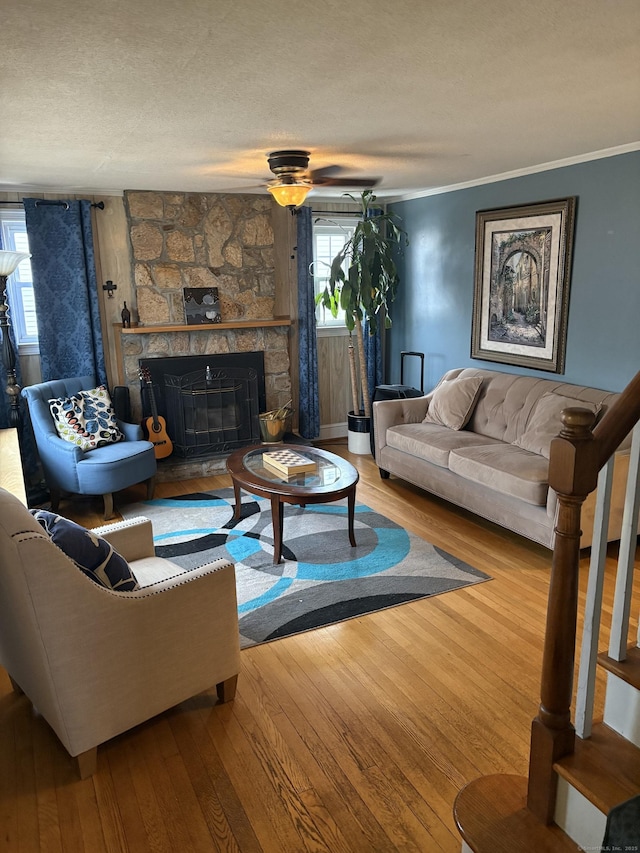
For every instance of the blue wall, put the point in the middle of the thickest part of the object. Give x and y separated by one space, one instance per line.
432 312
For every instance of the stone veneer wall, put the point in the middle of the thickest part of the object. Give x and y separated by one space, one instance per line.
204 240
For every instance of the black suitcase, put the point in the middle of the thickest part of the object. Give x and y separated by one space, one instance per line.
397 392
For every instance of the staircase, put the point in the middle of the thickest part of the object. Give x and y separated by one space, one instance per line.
580 769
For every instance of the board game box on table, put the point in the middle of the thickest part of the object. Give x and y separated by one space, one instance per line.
288 462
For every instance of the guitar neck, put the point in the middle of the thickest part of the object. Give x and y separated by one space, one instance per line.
152 405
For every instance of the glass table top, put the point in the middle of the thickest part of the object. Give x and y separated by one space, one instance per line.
326 471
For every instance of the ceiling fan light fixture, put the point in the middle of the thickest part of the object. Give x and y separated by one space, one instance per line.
290 192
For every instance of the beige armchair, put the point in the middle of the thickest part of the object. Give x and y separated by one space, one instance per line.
96 662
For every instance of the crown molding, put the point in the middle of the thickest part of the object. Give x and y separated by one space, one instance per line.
37 192
518 173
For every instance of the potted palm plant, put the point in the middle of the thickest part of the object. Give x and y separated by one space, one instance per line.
363 282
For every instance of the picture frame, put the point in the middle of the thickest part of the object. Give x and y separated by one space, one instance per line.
521 284
201 305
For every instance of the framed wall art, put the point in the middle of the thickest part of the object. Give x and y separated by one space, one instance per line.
201 305
521 287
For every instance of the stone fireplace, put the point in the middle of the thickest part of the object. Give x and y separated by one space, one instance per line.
203 240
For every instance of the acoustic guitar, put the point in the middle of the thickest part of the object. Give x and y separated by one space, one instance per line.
155 426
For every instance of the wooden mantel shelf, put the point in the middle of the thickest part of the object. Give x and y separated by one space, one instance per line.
204 327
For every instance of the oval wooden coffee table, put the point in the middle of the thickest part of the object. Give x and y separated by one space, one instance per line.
333 478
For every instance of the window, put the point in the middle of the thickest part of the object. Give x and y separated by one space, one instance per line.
20 284
328 238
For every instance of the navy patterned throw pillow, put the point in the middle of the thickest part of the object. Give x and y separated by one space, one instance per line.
92 554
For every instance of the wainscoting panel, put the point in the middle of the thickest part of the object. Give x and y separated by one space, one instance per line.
333 384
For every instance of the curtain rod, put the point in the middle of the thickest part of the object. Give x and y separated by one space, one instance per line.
334 212
41 201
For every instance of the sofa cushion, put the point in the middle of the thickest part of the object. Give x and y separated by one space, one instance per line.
506 468
452 402
545 422
504 403
432 442
92 554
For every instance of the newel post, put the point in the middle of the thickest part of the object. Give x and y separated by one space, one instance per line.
573 471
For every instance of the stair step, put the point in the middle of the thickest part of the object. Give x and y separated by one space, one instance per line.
492 817
605 768
628 670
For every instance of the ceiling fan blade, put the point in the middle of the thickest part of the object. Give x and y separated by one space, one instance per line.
325 172
345 182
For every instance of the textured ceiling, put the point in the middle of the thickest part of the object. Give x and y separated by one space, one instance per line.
191 95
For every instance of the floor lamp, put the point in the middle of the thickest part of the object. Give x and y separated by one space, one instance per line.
8 263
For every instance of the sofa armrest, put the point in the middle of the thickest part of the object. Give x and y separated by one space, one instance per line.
56 448
59 460
133 539
388 413
131 432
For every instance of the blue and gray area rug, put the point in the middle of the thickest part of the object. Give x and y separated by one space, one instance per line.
322 579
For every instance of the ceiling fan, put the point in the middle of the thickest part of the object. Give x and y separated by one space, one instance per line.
294 180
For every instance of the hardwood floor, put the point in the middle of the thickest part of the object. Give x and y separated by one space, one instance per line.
355 737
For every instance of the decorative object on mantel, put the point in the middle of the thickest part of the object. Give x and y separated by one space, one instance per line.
201 305
8 264
126 317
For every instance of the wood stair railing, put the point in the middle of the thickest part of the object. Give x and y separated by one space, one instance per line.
488 817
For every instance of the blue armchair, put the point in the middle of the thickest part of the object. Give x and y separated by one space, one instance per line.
100 471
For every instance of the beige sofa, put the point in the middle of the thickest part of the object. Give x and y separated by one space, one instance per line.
495 464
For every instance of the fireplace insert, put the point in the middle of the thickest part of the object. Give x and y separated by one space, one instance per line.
210 403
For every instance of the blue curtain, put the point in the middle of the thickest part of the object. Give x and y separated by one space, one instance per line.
373 357
373 344
309 406
65 289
